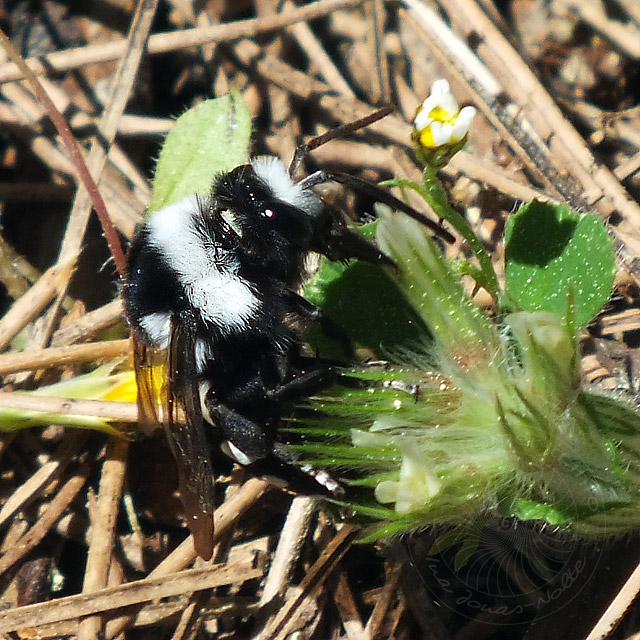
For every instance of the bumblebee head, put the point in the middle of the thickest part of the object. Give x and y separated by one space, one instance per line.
266 207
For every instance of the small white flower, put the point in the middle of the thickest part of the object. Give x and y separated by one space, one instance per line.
440 121
416 486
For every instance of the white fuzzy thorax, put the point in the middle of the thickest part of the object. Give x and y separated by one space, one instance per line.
214 289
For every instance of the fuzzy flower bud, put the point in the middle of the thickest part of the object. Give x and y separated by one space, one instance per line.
440 126
481 419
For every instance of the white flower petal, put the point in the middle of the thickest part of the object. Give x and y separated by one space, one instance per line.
443 98
439 121
449 105
467 114
462 124
429 104
440 88
423 119
417 485
441 133
387 491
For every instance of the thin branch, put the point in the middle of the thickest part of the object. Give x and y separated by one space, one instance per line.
126 595
39 530
116 411
62 356
103 529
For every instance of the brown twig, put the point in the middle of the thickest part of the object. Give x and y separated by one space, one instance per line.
89 324
116 411
125 595
168 42
286 617
43 476
289 545
121 89
73 149
29 306
54 511
63 356
103 523
225 516
619 606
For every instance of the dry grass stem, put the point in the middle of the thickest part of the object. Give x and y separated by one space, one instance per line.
102 532
43 477
287 617
380 611
37 532
116 411
287 552
612 617
129 594
625 36
167 42
89 324
62 356
32 303
348 609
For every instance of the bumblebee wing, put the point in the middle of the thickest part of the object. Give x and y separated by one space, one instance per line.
187 437
151 380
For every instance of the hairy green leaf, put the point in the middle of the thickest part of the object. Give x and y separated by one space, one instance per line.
552 253
211 138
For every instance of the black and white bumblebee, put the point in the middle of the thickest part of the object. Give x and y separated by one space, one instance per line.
213 281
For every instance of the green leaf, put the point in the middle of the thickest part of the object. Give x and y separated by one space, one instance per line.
364 301
17 419
526 509
614 415
424 277
552 251
211 138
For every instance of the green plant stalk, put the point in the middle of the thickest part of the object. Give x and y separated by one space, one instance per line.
457 325
434 195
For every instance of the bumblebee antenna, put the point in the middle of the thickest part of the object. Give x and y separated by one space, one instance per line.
358 184
303 149
379 194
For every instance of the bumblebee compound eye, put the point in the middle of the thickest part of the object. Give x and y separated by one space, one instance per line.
290 222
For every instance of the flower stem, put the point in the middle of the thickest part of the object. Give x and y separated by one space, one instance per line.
434 194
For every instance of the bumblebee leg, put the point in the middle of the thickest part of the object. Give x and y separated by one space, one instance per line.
285 467
303 384
339 243
378 193
309 311
248 444
249 441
